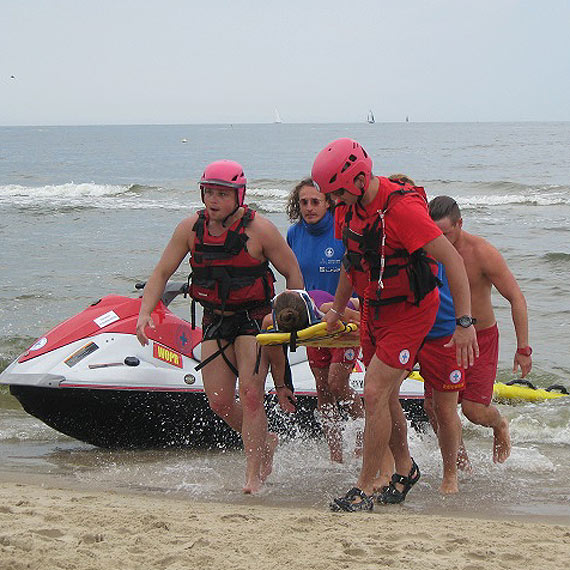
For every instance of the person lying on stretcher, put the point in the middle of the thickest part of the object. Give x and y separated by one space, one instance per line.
295 310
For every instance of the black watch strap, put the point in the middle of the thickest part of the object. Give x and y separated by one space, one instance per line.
465 321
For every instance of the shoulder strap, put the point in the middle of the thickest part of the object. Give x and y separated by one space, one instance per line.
199 226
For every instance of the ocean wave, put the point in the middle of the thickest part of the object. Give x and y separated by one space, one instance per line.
557 257
500 193
87 195
267 200
266 195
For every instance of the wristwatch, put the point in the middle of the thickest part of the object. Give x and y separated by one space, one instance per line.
526 351
465 321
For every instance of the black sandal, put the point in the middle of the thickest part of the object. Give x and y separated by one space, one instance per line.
348 505
390 495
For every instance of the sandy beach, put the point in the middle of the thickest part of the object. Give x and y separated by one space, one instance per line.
52 527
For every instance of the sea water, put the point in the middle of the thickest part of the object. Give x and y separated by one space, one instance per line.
86 211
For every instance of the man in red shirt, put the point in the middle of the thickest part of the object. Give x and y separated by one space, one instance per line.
389 240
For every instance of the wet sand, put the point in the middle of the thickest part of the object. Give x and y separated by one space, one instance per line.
51 526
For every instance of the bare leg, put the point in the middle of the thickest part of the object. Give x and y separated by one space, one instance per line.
338 380
327 407
449 437
220 385
267 457
385 472
254 423
380 383
490 416
339 386
463 463
399 435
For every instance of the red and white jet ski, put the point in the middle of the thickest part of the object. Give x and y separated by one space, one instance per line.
90 378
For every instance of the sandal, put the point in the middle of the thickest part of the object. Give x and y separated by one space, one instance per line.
348 505
390 495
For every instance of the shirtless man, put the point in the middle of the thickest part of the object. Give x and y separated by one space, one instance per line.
485 268
230 247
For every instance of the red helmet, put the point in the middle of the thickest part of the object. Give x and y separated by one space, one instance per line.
227 174
338 164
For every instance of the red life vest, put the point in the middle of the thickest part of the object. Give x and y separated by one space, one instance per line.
379 272
224 275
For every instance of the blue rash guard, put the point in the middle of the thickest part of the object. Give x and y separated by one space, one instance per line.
445 319
318 252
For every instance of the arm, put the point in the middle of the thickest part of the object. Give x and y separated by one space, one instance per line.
171 258
465 340
350 315
497 271
276 358
276 250
341 297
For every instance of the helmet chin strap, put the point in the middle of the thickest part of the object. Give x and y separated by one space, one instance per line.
224 221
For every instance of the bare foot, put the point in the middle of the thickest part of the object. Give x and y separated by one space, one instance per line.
463 463
449 486
252 486
267 457
501 442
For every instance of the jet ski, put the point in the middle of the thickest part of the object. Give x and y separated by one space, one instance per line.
90 379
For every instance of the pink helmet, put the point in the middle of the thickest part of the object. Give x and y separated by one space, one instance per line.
338 164
227 174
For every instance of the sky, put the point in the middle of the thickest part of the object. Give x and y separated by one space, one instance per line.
69 62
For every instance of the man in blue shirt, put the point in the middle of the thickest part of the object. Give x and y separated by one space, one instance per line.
320 255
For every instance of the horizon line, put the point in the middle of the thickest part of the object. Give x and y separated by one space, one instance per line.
277 125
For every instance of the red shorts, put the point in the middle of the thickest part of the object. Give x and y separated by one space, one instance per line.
481 376
323 357
396 332
438 367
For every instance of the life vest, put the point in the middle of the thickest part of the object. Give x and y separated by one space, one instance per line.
224 275
381 274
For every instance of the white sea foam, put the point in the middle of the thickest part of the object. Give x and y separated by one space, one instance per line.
531 197
84 195
271 199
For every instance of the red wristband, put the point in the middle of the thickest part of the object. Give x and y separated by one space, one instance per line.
526 351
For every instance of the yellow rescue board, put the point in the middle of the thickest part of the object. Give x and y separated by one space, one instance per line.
315 335
503 392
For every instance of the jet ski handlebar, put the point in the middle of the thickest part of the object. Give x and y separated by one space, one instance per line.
171 290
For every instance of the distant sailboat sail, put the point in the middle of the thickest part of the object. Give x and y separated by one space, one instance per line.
277 118
370 117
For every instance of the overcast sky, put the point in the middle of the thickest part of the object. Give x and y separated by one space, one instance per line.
217 61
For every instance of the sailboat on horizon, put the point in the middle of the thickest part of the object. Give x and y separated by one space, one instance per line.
370 117
277 118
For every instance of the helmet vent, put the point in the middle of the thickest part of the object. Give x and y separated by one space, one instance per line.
348 163
333 178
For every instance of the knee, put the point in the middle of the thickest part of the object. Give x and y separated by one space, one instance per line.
428 406
471 411
221 405
373 397
251 398
445 415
